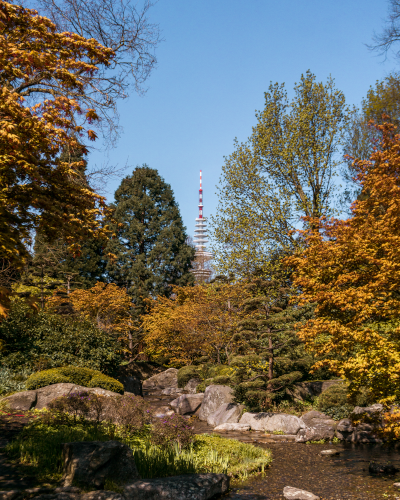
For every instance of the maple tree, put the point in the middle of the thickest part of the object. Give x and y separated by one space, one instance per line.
350 269
106 305
38 190
195 321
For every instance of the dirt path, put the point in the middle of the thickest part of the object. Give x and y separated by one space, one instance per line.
12 476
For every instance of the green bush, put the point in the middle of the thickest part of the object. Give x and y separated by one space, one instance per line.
12 380
221 380
43 340
185 374
335 395
250 359
74 375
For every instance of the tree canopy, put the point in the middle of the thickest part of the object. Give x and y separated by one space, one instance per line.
284 171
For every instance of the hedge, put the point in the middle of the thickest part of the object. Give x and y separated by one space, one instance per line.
75 375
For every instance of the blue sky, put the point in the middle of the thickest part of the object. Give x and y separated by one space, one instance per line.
214 66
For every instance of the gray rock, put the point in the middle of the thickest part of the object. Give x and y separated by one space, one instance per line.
396 485
330 453
344 429
214 397
372 410
187 403
46 394
316 426
232 427
291 493
163 411
89 464
226 413
271 422
366 433
186 487
23 401
190 387
167 378
102 495
172 391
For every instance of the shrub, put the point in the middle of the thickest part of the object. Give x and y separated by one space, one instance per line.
47 340
335 395
12 381
131 412
185 374
75 375
170 430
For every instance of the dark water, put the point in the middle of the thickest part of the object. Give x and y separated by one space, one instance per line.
343 477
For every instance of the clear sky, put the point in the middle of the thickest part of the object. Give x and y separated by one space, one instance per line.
215 64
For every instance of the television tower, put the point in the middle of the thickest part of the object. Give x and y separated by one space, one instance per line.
201 267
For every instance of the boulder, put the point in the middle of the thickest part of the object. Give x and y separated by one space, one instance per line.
190 387
330 453
187 403
228 412
172 391
344 429
291 493
232 427
366 433
271 422
46 394
185 487
167 378
89 464
316 426
23 401
214 397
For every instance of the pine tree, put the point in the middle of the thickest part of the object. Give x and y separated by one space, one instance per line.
150 244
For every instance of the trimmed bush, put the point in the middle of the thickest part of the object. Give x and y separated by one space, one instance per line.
185 374
85 377
335 395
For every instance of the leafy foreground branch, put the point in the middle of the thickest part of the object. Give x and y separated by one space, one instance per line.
157 448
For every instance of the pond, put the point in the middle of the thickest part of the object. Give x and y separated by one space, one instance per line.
342 477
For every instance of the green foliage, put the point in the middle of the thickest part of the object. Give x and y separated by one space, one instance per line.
335 402
40 446
173 429
85 377
43 340
150 247
186 373
284 171
12 380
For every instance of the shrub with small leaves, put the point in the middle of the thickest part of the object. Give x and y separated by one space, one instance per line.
132 413
174 429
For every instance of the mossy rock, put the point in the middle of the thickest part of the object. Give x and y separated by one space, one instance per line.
186 373
85 377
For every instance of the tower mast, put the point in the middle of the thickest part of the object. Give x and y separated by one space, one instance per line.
202 269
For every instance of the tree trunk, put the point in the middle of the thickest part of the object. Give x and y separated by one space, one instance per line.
271 360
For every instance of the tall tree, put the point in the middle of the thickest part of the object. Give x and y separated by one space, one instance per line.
37 189
351 271
151 253
284 171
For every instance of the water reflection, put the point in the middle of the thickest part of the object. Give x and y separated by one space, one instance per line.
342 477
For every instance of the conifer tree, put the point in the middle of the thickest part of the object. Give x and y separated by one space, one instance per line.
150 244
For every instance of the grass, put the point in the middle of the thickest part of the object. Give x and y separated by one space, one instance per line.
38 448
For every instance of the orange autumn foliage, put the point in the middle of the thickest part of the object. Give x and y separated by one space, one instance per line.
350 269
106 305
197 321
41 73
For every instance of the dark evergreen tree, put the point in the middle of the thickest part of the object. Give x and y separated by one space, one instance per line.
150 244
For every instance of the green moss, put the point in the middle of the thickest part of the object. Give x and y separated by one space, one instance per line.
74 375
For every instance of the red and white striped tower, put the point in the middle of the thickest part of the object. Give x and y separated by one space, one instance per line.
202 269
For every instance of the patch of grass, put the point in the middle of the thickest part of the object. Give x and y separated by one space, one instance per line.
277 433
321 441
39 448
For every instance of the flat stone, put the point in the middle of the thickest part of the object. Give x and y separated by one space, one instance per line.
214 397
89 464
291 493
191 386
232 427
369 410
330 452
187 403
226 413
185 487
271 422
167 378
396 485
23 401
